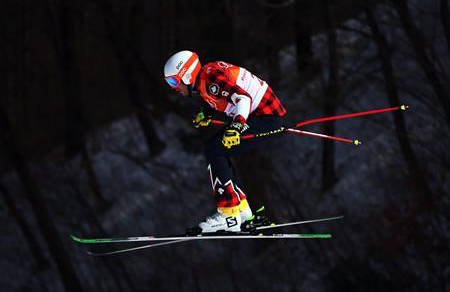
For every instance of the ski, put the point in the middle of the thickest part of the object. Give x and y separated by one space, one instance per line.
180 239
203 236
231 235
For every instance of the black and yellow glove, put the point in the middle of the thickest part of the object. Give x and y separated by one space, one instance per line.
232 135
200 120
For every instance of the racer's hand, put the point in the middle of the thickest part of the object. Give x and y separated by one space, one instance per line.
200 120
232 135
231 138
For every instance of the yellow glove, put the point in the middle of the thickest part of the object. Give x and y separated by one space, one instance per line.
200 120
230 138
232 134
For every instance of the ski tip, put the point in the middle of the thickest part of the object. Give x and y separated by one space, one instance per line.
92 253
75 238
357 142
404 107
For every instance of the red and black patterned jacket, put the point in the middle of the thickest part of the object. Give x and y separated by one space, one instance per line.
237 92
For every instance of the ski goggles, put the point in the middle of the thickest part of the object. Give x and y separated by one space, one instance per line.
173 81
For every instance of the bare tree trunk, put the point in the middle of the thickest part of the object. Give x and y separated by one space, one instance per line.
303 35
162 40
273 60
257 179
445 21
68 54
424 201
88 166
169 23
130 67
32 192
66 29
116 268
248 170
32 242
232 8
384 53
62 27
40 209
331 95
418 42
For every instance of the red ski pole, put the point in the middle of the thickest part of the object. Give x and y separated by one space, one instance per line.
291 130
300 132
357 114
356 141
338 117
217 122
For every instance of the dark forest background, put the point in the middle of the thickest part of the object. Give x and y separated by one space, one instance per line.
92 142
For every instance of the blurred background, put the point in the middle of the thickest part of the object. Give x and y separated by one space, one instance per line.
93 143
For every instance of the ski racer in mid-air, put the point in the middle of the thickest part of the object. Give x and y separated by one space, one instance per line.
253 107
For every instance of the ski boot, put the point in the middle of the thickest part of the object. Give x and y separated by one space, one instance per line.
257 220
245 211
224 221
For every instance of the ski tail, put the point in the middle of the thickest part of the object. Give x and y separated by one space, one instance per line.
112 240
273 225
119 251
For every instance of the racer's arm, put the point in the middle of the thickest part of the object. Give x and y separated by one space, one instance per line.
242 102
243 105
233 132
